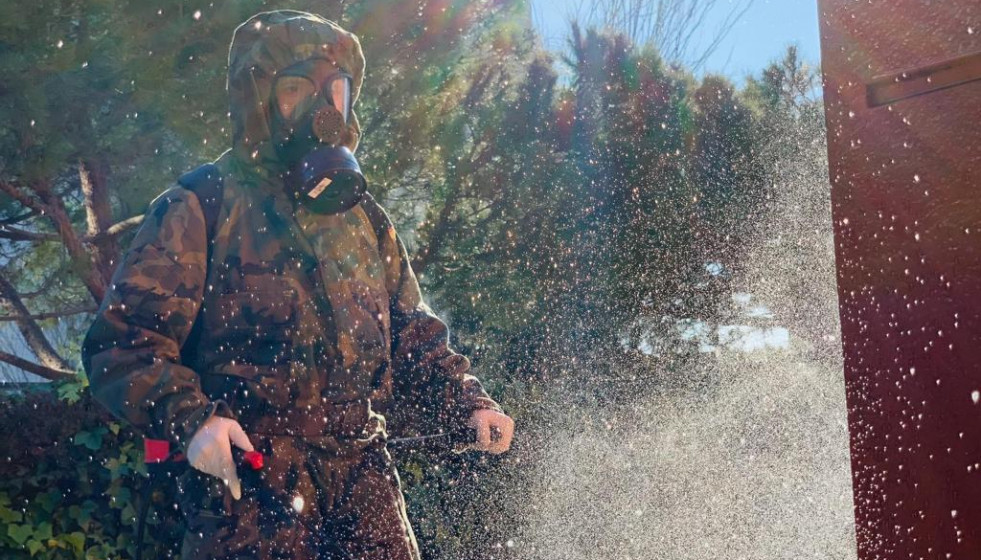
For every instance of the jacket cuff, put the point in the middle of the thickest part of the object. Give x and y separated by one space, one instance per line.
463 400
190 420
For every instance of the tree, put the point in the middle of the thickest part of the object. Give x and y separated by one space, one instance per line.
673 27
793 159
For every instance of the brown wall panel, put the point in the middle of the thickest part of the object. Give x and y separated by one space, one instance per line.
903 105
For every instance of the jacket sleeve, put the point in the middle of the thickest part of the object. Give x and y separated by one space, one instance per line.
131 352
432 383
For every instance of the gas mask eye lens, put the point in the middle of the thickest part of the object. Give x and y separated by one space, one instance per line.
294 95
340 95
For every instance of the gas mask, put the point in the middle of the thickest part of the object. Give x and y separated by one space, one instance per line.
321 175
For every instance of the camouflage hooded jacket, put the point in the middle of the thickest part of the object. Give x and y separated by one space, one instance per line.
297 309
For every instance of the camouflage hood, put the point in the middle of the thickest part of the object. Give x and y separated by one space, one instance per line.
262 46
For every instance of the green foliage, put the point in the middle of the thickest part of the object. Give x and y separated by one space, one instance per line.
69 481
71 391
605 203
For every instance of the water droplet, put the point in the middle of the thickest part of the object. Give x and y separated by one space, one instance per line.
197 14
975 396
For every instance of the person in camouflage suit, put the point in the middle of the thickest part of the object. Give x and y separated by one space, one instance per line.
313 340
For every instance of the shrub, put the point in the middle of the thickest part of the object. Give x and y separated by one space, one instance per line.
70 481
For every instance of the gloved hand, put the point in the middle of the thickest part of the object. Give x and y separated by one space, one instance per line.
486 420
210 450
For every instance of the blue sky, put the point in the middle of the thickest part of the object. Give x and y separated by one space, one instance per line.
760 36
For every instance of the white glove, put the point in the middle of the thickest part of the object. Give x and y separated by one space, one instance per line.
210 450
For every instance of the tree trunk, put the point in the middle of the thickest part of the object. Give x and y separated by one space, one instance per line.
80 257
98 217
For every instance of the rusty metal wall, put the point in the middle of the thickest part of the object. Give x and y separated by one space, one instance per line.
903 105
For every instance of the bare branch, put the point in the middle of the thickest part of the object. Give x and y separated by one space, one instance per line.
112 232
670 25
723 31
18 218
50 315
50 374
117 229
17 234
17 193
